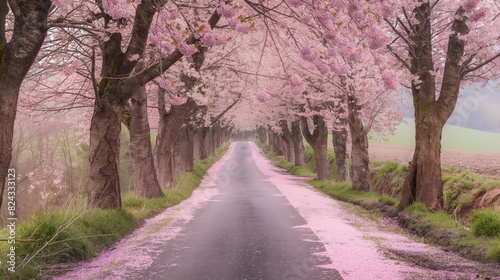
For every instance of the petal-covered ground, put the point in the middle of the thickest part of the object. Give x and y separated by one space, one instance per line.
339 242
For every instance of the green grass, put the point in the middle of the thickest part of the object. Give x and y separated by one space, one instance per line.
73 233
485 223
295 170
494 251
344 191
454 138
63 236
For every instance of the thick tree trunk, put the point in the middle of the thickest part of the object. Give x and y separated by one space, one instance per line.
184 150
319 142
340 148
423 180
143 170
104 186
359 153
298 144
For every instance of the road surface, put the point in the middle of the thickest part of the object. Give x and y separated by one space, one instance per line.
248 221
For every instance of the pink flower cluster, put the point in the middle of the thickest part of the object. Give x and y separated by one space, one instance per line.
187 49
118 8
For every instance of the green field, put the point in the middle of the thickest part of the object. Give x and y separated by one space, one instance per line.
455 138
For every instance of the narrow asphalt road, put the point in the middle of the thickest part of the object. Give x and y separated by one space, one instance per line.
250 221
248 231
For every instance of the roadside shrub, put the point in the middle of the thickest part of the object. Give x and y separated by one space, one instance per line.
485 223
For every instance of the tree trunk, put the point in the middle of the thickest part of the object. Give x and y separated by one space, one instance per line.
163 154
104 186
298 144
8 109
423 180
170 126
184 152
211 140
286 138
340 148
360 158
144 176
16 57
319 142
200 151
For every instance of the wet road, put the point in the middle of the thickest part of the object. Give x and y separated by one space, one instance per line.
248 231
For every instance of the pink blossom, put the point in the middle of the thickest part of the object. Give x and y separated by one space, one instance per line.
298 85
352 7
469 5
69 69
478 14
262 96
164 83
376 38
134 57
243 27
226 10
339 68
388 9
322 67
178 100
210 39
294 3
390 79
187 49
118 8
233 22
308 54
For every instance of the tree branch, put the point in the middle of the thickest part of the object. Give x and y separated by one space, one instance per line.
480 65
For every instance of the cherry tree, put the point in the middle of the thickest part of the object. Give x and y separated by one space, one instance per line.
23 27
442 45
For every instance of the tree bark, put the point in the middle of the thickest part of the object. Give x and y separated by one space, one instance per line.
170 126
16 57
184 152
211 140
319 142
339 141
298 144
104 186
144 176
359 153
287 140
200 139
423 180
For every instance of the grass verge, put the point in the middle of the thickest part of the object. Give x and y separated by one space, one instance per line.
73 233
